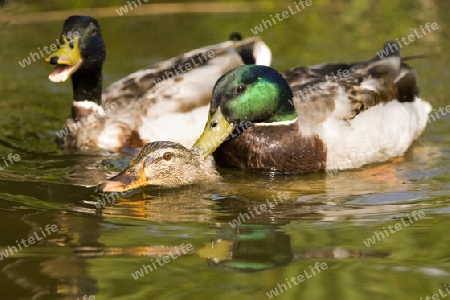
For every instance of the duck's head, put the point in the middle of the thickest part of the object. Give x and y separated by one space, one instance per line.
166 164
81 57
82 48
249 93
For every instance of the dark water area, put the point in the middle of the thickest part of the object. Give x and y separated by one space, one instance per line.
318 227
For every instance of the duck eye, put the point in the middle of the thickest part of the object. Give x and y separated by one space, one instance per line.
213 124
93 31
167 155
240 89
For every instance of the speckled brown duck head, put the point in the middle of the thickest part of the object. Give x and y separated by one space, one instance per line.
166 164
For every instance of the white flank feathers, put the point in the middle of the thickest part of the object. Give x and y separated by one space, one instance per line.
381 132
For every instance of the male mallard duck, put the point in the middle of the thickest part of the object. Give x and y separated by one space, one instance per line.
143 106
164 164
260 122
368 114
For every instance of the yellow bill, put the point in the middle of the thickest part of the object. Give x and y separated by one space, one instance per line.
67 60
217 129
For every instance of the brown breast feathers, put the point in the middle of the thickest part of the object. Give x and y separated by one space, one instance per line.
280 149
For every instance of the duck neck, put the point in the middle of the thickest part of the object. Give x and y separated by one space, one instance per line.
87 86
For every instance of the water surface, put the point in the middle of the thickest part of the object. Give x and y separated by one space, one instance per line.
326 219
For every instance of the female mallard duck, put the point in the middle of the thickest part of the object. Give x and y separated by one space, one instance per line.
143 106
259 122
164 164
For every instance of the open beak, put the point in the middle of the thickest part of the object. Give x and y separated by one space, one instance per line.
67 60
217 129
132 177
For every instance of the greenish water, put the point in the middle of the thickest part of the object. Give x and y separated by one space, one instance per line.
326 219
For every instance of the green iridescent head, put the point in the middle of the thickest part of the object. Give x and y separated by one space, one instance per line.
253 93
